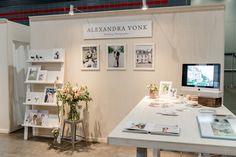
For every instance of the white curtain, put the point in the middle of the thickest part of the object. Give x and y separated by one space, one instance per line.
20 55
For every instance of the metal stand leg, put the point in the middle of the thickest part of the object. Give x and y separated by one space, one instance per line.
85 136
26 133
63 128
73 135
156 153
141 152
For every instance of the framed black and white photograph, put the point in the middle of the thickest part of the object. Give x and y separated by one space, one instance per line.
90 57
144 56
42 75
50 95
116 57
32 74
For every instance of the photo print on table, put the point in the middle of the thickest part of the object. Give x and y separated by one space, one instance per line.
32 74
165 87
116 57
144 56
50 95
90 57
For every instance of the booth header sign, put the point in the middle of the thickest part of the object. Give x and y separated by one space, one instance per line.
117 30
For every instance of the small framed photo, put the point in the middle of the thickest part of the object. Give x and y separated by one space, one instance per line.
144 56
50 95
116 57
42 75
164 89
90 57
173 92
32 74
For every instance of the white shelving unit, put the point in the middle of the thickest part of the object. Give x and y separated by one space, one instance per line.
55 77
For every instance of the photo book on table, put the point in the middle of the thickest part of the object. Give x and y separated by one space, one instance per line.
217 126
148 128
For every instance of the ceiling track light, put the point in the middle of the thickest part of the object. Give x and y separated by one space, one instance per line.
144 7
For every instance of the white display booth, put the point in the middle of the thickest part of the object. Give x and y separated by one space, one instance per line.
14 46
189 34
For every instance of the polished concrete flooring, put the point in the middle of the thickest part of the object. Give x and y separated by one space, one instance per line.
13 145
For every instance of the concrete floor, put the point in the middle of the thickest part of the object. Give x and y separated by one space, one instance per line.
13 145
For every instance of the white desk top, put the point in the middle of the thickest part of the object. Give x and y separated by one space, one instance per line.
189 140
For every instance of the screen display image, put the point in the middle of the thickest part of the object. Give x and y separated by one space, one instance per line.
201 75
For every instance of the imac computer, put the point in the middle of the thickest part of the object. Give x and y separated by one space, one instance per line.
202 79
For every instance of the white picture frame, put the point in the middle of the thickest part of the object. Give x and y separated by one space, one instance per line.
32 73
116 56
144 56
49 95
164 89
90 57
42 75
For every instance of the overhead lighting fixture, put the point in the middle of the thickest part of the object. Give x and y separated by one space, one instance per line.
144 7
71 12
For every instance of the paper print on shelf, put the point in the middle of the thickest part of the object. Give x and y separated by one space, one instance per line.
32 73
116 56
217 126
50 95
36 117
90 57
34 97
164 89
144 56
42 75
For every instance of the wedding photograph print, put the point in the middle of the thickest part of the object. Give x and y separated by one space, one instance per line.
32 74
90 57
50 95
144 56
116 57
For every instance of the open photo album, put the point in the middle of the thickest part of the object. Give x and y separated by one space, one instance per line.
148 128
217 126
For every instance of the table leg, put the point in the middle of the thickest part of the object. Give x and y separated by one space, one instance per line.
141 152
156 152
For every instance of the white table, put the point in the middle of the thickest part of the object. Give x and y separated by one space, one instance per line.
189 140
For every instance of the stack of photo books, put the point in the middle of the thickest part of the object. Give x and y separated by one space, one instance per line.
217 126
148 128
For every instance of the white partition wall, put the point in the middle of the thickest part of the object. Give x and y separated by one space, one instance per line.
14 43
180 34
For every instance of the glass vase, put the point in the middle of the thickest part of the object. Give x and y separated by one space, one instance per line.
73 114
152 94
